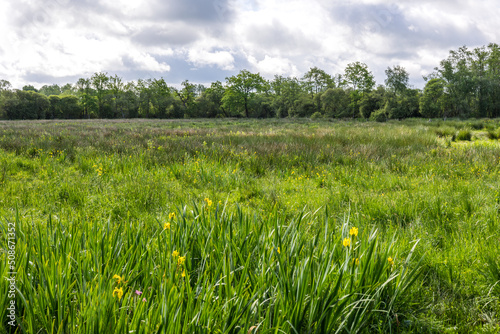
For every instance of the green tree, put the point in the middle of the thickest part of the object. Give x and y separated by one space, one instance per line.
5 91
397 79
145 95
161 99
432 100
115 87
214 95
358 77
50 90
70 108
336 102
100 84
26 105
241 88
372 101
86 95
361 80
287 97
316 80
30 88
187 97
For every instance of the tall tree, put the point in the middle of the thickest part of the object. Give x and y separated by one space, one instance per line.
241 88
88 100
115 86
316 80
145 95
100 83
432 101
359 77
361 80
50 90
397 79
214 94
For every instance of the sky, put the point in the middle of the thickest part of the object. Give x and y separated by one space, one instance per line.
59 41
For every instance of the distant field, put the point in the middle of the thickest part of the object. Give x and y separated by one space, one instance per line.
251 226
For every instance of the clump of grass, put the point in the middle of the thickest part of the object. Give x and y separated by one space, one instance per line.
464 135
444 131
493 134
209 267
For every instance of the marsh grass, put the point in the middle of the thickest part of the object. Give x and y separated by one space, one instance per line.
267 254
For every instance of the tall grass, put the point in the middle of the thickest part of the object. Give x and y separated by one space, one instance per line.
93 198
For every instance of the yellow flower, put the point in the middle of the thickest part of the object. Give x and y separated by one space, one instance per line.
356 261
118 292
390 260
118 279
181 260
166 226
209 202
171 215
183 273
346 242
279 251
175 253
353 231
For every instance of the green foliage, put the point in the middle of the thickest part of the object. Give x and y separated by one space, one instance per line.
336 103
317 115
359 77
464 135
240 90
431 102
379 115
397 79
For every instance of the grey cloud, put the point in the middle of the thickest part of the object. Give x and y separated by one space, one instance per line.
194 11
42 78
390 21
277 37
173 35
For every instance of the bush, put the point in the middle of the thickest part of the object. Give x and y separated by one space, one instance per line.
493 134
444 131
378 116
464 135
316 115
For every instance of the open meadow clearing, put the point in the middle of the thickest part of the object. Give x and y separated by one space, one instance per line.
250 226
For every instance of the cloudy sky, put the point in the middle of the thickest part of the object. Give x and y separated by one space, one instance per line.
59 41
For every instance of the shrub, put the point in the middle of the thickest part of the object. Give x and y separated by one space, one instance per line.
378 116
464 135
316 115
493 134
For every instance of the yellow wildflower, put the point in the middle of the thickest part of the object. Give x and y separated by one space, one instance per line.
353 231
118 292
183 273
171 215
175 253
181 260
279 251
346 242
391 261
166 226
356 261
118 279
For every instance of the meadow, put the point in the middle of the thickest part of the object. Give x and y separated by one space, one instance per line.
251 226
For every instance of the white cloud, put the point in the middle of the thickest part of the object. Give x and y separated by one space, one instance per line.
222 59
269 66
69 38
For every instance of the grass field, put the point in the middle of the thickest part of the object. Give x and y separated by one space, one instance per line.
251 226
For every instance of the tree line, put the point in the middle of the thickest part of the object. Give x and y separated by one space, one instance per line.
466 84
